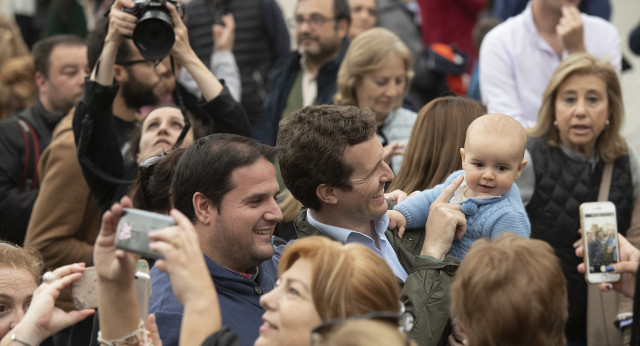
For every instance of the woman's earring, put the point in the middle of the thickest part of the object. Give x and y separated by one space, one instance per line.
555 123
606 124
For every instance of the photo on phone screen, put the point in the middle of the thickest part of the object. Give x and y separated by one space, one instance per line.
601 240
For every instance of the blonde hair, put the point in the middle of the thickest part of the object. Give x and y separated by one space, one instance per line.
517 281
433 151
367 53
361 332
346 280
610 144
17 85
11 40
28 259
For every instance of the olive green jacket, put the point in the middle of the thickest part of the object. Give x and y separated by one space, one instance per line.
425 293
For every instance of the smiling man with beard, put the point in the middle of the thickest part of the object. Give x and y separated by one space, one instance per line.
307 76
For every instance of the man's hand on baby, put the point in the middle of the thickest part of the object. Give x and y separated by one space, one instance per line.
397 220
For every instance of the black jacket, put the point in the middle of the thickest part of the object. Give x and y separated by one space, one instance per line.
18 194
281 78
105 140
562 184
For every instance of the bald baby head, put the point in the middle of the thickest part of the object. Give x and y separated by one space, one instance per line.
493 154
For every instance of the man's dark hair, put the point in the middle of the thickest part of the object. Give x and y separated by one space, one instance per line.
95 42
207 167
341 10
43 48
312 141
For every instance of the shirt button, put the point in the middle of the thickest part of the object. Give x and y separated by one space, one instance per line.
257 289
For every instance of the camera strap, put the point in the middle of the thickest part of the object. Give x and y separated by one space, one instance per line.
605 184
183 108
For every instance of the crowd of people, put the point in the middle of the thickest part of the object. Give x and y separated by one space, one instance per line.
347 192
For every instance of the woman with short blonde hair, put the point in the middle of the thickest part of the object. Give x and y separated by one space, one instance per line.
376 73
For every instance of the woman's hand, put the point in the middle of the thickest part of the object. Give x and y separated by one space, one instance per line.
627 268
183 259
392 149
113 266
224 35
43 318
190 279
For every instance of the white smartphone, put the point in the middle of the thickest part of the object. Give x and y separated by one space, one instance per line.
600 237
85 290
142 285
133 227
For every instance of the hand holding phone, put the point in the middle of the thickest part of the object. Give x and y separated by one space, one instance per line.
133 229
600 237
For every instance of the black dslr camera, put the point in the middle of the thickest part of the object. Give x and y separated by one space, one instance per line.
153 35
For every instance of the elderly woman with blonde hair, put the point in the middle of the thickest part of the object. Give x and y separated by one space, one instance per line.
376 73
575 147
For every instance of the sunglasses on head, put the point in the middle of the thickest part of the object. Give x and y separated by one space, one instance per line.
321 331
146 170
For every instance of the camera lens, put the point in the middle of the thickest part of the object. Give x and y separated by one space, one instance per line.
154 35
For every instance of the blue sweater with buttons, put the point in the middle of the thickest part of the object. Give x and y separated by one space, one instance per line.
485 217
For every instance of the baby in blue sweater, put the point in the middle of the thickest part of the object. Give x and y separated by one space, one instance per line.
492 159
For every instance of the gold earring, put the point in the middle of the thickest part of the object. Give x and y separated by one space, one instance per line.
555 123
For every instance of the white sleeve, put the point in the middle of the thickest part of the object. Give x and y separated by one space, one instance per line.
497 84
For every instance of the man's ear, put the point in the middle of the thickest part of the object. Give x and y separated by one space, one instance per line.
343 28
326 194
120 74
520 168
203 208
40 80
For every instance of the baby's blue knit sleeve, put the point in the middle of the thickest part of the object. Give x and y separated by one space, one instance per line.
416 208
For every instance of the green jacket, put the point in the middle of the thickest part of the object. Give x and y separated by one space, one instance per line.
425 293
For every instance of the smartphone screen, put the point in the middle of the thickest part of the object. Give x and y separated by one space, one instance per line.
600 234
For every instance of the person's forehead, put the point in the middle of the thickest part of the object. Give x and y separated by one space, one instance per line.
16 280
256 178
64 54
164 113
363 156
309 7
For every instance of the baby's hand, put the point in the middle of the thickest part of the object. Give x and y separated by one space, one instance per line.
397 220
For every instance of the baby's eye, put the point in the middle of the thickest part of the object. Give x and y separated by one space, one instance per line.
4 309
501 168
478 164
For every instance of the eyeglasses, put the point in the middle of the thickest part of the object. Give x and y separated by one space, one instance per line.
315 21
321 331
146 170
133 62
